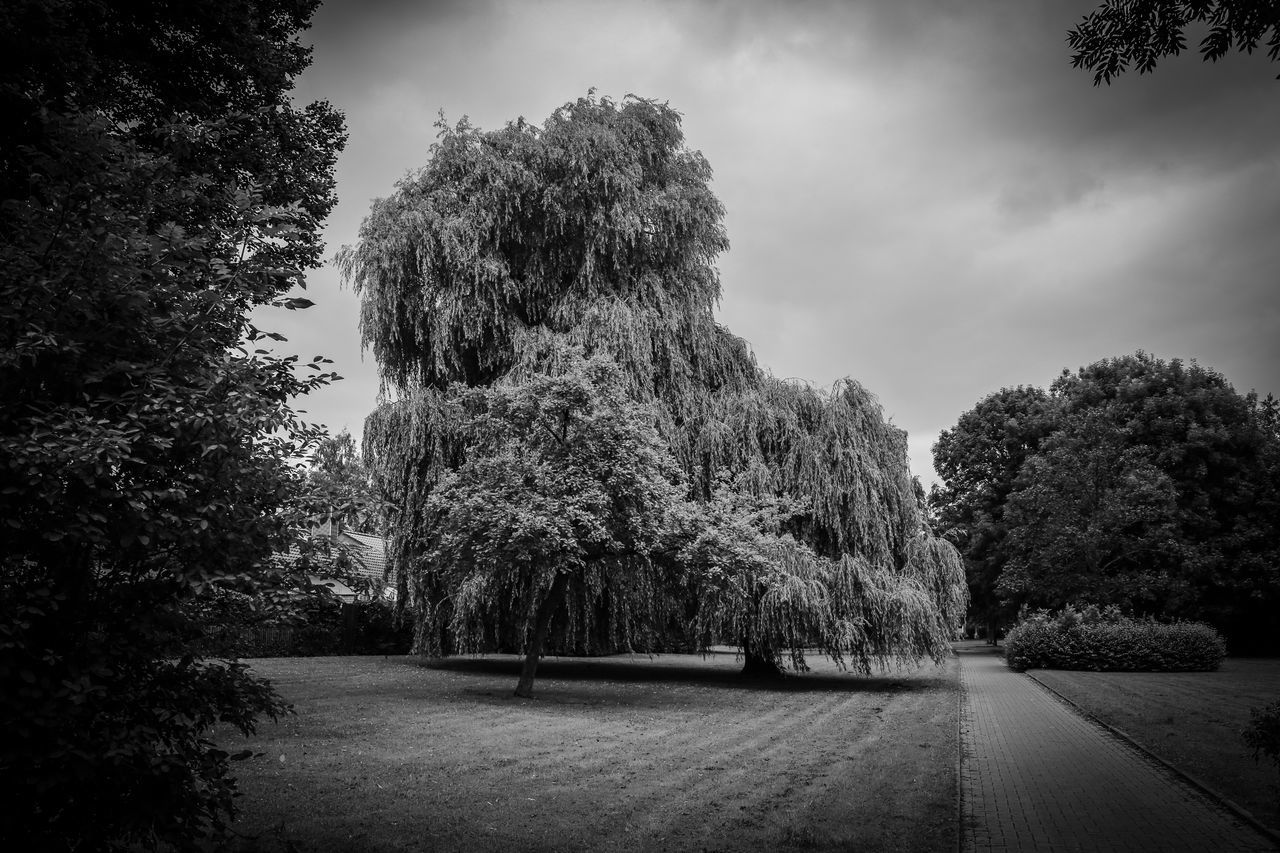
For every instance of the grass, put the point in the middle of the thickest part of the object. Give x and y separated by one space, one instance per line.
1190 719
623 753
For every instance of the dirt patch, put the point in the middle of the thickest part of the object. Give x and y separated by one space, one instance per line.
621 753
1190 719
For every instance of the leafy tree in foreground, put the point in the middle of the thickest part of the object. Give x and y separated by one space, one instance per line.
1139 33
598 231
978 461
155 190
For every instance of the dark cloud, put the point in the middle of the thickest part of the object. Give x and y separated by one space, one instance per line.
923 195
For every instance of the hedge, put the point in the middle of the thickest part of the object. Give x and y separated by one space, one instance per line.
236 625
1107 642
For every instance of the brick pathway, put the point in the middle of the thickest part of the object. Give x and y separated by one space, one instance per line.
1035 775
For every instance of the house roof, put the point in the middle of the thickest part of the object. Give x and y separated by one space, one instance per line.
369 550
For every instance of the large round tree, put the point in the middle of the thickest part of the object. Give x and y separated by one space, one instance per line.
597 233
1136 481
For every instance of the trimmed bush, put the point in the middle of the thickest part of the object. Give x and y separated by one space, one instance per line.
1105 641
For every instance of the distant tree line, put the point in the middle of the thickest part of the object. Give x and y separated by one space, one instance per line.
1139 482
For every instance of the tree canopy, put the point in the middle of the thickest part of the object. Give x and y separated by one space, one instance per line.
597 232
1121 34
157 185
339 486
1152 486
1096 508
978 461
551 524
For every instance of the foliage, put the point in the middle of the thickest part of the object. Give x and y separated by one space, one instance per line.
1192 521
549 527
1101 514
1105 641
221 66
1153 485
378 630
340 487
598 231
775 596
229 620
978 462
238 626
1138 33
323 625
1250 577
155 190
1262 734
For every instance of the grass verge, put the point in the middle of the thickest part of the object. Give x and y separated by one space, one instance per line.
620 753
1190 719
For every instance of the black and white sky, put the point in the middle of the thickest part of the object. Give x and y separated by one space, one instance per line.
923 195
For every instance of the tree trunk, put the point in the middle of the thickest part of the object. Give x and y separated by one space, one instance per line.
757 665
541 625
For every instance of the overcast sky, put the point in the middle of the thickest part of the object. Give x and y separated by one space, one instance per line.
925 196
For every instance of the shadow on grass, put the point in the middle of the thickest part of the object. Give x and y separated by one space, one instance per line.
718 669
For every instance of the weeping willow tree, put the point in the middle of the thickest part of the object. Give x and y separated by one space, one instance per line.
597 233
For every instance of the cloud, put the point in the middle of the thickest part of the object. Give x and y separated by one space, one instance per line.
1034 193
923 195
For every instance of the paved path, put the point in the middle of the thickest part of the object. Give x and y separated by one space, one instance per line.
1035 775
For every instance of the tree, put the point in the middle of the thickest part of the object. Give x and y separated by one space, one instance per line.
340 486
1189 423
1138 33
1092 521
1152 485
154 191
979 461
598 230
760 587
550 526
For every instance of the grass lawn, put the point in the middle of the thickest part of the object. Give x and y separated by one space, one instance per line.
622 753
1190 719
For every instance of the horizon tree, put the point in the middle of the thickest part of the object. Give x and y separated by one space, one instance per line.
1151 484
598 231
1185 421
979 461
